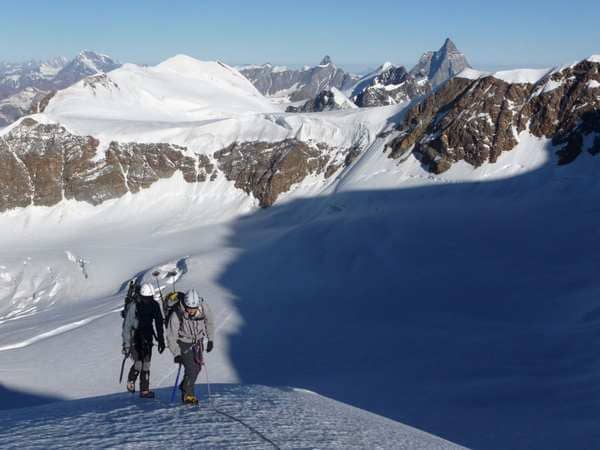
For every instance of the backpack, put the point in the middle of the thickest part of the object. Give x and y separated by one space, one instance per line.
133 292
170 304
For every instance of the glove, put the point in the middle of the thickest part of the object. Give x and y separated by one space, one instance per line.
125 350
161 347
178 359
209 346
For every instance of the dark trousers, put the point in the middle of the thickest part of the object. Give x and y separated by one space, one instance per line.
191 367
141 357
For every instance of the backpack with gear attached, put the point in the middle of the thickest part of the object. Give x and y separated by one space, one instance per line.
133 293
170 304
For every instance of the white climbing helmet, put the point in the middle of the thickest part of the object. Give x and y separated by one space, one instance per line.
147 290
192 299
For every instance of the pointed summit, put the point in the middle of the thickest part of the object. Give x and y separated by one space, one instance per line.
442 65
325 61
449 46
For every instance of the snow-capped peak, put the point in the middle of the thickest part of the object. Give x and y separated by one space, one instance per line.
180 88
95 62
594 59
213 71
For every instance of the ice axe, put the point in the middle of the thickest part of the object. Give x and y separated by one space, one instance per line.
155 274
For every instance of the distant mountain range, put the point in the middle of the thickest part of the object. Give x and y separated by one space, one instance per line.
388 85
240 135
22 85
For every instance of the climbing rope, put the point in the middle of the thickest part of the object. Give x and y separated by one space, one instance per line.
231 417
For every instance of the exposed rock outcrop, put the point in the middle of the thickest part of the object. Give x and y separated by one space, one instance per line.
41 164
329 100
266 170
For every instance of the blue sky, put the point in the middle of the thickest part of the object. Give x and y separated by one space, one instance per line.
507 33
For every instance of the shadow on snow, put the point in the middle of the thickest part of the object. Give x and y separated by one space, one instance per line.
469 310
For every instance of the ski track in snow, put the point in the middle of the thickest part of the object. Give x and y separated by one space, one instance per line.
57 331
290 418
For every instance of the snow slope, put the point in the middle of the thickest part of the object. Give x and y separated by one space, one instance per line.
289 418
181 88
515 76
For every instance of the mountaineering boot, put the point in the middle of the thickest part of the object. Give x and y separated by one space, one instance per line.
133 374
189 399
145 391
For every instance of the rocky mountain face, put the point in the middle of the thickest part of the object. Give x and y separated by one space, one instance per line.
298 85
328 100
440 66
42 164
475 120
390 85
22 85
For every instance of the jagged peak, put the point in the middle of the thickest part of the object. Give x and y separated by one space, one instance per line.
326 61
90 54
449 46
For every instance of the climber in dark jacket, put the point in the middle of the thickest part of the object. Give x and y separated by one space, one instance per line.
138 334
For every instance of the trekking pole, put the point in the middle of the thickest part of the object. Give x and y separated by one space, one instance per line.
176 383
210 400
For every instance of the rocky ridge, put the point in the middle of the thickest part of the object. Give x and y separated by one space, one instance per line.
273 81
475 120
391 86
42 164
329 100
